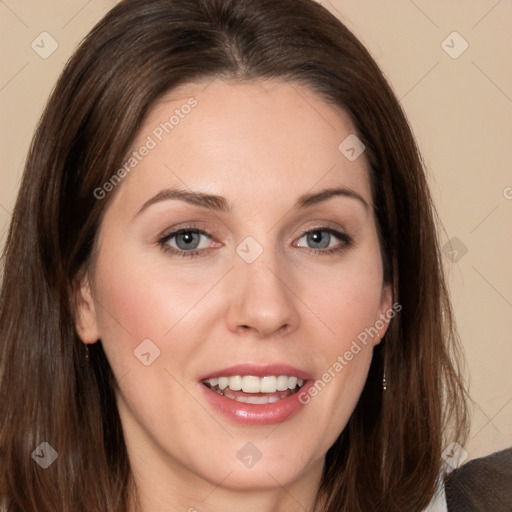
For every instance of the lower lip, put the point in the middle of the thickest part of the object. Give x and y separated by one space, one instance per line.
257 414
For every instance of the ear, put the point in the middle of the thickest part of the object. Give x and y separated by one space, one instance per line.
386 311
86 323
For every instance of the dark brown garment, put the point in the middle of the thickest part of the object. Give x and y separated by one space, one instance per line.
481 485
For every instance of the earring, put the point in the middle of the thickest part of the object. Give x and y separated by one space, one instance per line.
87 353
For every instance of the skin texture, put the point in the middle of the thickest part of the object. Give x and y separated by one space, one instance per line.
261 145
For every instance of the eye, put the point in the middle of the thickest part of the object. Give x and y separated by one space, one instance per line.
190 241
185 242
323 240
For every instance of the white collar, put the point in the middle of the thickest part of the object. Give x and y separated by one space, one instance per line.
438 503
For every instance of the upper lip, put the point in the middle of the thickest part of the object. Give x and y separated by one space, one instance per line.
259 370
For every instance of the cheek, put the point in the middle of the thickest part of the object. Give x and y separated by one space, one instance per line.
142 300
347 299
142 297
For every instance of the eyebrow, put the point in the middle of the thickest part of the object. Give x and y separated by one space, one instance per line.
219 203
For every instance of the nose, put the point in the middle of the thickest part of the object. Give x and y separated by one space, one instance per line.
262 299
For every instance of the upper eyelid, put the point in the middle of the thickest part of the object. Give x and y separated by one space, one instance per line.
193 227
186 227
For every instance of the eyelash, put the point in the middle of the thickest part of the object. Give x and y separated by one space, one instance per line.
346 240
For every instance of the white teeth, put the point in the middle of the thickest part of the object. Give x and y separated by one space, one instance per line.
253 384
255 400
235 383
282 383
268 384
250 384
223 382
292 382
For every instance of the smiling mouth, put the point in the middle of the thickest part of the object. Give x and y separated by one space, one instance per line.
250 389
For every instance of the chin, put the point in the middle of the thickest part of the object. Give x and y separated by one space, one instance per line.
260 477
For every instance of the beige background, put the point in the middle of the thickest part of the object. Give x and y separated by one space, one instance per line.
460 110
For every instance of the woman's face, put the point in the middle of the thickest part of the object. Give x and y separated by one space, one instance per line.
269 286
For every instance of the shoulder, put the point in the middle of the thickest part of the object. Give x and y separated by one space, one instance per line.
480 485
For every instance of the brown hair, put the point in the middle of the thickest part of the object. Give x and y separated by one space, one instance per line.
388 458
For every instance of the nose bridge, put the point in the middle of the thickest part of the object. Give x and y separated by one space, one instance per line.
263 269
262 299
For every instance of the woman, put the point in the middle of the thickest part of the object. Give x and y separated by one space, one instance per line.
222 284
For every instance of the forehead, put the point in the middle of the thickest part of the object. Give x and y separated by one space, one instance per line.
248 141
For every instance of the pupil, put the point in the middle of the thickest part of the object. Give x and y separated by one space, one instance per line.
316 237
188 239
